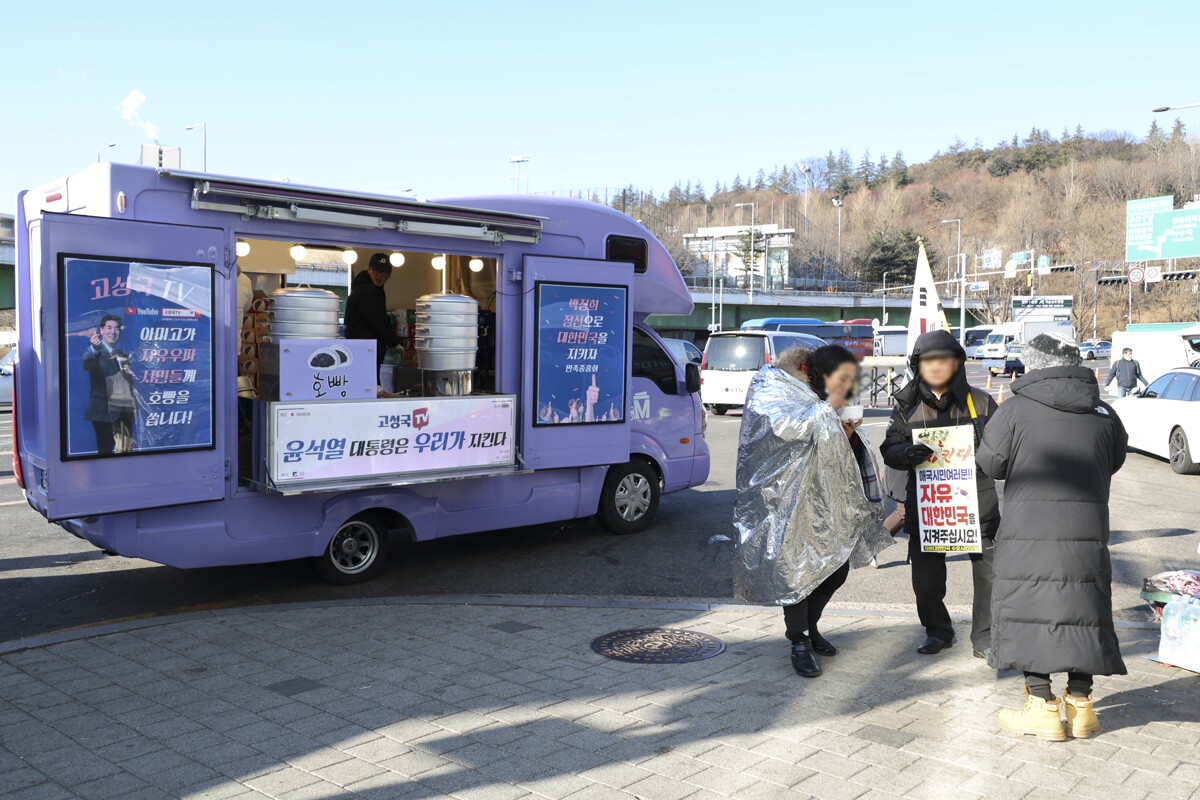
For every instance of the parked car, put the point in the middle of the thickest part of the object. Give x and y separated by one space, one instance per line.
732 358
683 350
975 351
6 377
1095 348
1164 419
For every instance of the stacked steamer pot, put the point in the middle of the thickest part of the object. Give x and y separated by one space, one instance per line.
303 313
447 340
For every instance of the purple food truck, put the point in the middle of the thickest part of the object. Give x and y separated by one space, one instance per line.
184 392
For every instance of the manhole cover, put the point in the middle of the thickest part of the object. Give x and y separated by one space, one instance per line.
658 646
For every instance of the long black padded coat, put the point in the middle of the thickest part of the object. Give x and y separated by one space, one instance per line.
1056 446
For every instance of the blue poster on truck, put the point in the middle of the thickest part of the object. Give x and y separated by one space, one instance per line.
581 342
137 370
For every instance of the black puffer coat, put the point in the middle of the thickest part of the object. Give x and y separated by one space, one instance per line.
1056 446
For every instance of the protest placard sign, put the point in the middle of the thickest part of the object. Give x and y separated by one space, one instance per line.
947 498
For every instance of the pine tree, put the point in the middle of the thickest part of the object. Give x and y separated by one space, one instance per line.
1156 142
899 172
760 181
1178 132
738 187
865 174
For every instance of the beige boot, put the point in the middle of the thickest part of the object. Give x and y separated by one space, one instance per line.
1081 717
1038 718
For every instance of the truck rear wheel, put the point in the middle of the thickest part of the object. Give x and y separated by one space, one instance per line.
629 499
356 553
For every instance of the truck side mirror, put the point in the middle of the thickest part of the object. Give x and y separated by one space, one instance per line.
691 377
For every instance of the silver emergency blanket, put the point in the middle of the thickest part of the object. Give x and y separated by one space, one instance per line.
804 505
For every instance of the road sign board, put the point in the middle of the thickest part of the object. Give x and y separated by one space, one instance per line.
991 259
1139 226
1020 257
1153 274
1043 265
1137 275
1010 269
979 286
1175 234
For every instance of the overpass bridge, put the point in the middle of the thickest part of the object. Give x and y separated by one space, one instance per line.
731 307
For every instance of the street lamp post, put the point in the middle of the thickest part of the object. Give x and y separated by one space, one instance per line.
805 168
203 126
753 260
883 321
837 201
102 149
962 286
1161 109
519 160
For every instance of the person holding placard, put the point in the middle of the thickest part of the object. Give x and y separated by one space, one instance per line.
1056 445
958 503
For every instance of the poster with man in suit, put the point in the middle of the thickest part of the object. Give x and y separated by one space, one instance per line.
137 374
110 405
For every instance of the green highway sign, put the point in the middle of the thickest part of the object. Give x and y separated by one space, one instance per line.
1176 234
1139 227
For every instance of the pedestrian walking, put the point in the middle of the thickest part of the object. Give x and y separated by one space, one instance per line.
808 504
1056 446
938 396
1127 372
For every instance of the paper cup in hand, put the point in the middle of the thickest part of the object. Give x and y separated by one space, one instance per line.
850 413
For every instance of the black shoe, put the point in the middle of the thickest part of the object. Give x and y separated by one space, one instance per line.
932 646
822 645
803 661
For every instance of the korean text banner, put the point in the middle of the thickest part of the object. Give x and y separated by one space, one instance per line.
343 440
947 496
137 357
580 373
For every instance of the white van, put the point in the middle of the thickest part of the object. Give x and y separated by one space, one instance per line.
731 359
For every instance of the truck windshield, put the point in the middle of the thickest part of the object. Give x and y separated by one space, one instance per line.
735 352
994 338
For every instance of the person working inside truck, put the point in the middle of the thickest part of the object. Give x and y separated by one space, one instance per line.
110 405
366 308
1127 372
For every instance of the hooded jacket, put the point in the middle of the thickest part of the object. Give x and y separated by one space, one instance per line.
366 314
915 408
1056 446
806 504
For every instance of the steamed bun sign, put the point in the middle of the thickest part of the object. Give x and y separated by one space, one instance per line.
947 498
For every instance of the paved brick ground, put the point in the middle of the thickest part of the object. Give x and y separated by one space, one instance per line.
492 702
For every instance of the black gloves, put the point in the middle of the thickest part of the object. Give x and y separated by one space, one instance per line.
914 454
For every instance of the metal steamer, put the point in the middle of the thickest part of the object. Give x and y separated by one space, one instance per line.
303 313
447 341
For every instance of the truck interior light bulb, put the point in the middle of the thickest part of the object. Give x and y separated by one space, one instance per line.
396 259
242 248
349 257
298 252
476 264
439 262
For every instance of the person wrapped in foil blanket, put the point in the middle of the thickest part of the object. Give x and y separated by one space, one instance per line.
807 501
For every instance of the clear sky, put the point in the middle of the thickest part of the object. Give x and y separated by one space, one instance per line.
435 96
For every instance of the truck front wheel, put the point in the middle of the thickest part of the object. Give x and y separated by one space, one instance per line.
629 499
356 553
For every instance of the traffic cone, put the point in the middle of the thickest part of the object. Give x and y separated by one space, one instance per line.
1097 374
1000 399
989 385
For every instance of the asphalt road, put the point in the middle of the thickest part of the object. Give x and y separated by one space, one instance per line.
50 580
